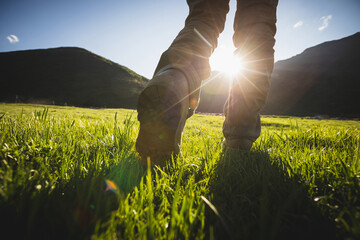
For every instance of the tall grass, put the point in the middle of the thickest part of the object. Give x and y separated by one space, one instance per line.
301 180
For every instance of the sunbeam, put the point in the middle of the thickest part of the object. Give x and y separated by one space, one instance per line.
224 60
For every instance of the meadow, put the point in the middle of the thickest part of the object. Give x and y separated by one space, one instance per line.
73 173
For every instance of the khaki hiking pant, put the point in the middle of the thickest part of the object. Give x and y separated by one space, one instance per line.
254 30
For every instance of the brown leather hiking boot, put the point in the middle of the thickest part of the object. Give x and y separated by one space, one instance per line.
163 108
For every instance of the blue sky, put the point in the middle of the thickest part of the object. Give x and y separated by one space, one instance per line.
134 33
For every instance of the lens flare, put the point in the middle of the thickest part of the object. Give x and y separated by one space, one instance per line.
110 186
224 60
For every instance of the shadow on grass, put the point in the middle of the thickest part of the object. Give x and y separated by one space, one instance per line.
256 200
71 210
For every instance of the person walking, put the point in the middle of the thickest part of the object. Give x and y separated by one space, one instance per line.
172 95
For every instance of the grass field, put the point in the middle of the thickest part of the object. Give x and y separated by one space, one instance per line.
73 173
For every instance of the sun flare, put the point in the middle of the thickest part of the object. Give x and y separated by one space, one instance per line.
224 60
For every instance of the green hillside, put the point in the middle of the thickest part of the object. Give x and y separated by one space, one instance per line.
67 76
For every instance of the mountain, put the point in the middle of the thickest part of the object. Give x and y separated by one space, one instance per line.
67 76
214 92
323 80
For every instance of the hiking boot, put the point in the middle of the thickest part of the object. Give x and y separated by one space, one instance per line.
242 138
163 108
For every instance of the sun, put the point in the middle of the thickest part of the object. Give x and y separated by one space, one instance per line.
224 60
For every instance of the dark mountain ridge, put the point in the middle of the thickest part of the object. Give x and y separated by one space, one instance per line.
67 76
322 80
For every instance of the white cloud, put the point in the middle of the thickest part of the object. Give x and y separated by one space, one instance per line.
12 39
325 22
298 24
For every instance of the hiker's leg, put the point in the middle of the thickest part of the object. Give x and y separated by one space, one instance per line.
172 95
254 40
192 48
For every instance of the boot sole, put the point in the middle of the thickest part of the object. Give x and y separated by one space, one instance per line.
159 113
